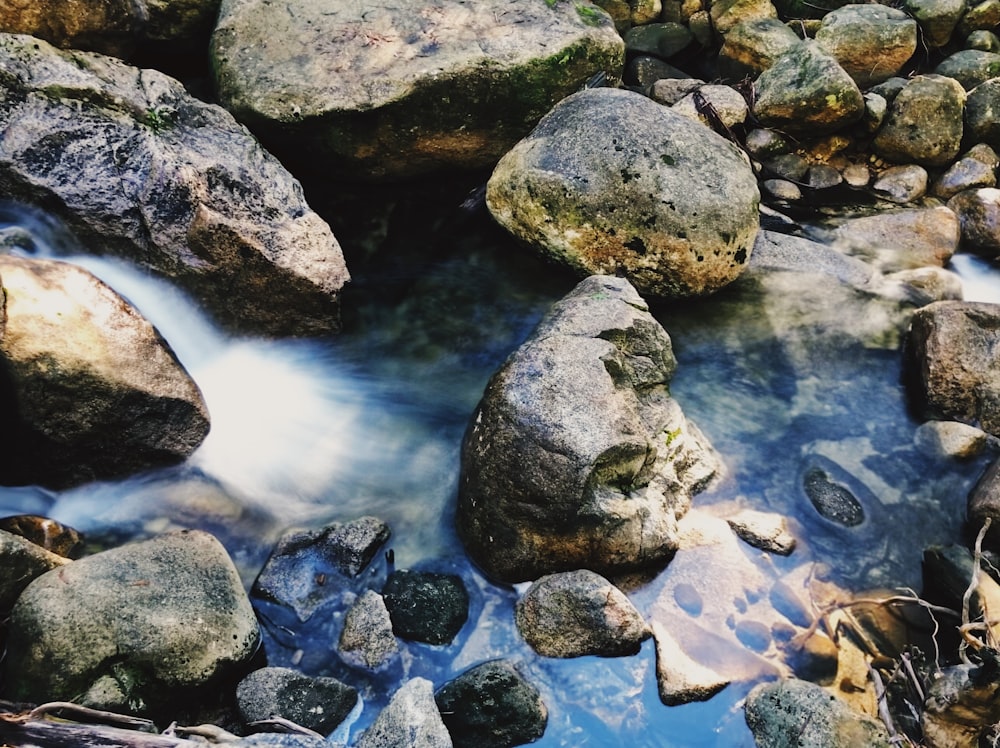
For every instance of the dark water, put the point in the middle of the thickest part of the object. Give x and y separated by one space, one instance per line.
305 432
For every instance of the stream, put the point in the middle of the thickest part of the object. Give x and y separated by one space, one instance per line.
308 432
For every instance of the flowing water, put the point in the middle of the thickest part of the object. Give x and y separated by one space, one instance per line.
307 432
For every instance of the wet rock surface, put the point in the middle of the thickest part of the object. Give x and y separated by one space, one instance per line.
410 720
426 606
318 704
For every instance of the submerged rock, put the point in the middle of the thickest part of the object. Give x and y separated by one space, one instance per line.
611 182
832 500
577 613
795 712
492 706
136 629
318 704
88 388
961 704
395 91
138 168
577 456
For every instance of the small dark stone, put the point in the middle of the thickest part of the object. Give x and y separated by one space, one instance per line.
832 500
491 706
426 606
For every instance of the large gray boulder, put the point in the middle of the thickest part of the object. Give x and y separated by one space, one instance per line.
404 89
807 92
612 182
979 216
925 122
131 628
113 27
954 348
871 42
136 167
88 388
577 456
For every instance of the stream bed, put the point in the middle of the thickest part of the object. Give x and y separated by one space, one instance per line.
370 422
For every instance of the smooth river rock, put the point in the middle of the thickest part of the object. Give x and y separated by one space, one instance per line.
577 456
398 90
136 167
610 182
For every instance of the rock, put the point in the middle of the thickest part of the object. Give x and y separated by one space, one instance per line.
90 389
902 239
751 47
726 14
901 184
937 18
982 114
948 572
576 455
979 215
876 107
138 628
318 704
669 91
492 706
679 679
782 190
426 606
22 561
984 502
367 640
45 532
806 92
643 71
871 42
399 91
961 704
185 190
950 439
967 173
921 286
578 613
983 40
924 124
728 106
661 39
953 348
823 177
114 27
831 499
301 571
796 712
411 720
984 15
763 530
611 182
970 67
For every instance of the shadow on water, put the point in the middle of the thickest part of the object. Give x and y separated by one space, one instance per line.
306 432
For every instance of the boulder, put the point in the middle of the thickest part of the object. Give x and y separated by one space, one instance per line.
871 42
726 14
970 67
924 124
661 39
22 561
612 182
367 640
980 16
318 704
89 389
982 114
751 47
901 239
403 89
807 92
937 18
297 572
901 184
795 712
577 456
979 216
426 606
984 502
411 720
138 628
729 108
953 348
492 706
113 27
578 613
974 170
136 167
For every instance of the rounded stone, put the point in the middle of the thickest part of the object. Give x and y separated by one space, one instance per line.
426 606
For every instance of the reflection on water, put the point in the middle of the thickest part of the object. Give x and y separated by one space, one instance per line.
306 432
